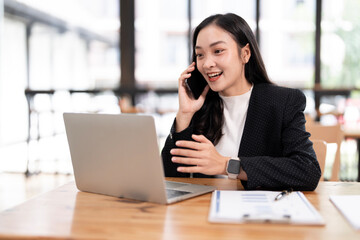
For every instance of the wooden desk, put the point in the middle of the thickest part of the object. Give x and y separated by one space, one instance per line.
66 213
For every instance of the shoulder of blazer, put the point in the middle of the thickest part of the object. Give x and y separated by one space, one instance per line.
272 91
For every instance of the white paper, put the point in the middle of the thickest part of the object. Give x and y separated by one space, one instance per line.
260 206
349 207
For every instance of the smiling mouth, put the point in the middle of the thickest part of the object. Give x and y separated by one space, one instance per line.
214 76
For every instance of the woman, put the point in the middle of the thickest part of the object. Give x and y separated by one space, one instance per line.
242 125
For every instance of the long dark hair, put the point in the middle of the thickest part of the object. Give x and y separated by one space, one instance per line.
209 119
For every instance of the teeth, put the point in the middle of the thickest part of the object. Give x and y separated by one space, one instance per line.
214 74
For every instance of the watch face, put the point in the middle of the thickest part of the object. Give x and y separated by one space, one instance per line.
234 166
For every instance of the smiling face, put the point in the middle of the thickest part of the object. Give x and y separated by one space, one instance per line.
220 62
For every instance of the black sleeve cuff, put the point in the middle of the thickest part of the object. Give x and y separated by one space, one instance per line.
183 135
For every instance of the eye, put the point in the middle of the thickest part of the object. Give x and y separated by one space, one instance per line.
199 55
218 51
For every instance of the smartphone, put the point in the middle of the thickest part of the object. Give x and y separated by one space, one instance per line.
196 83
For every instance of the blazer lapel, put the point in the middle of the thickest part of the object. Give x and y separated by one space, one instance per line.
248 137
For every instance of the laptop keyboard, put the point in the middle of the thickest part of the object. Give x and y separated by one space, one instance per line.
171 193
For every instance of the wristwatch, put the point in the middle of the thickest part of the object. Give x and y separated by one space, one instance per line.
233 168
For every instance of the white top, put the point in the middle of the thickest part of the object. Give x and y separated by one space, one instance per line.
235 111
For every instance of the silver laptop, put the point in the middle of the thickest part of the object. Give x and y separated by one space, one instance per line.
118 155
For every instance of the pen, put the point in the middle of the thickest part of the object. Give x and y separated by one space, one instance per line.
283 193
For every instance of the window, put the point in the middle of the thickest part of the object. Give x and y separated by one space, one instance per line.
13 105
72 44
287 44
202 9
82 54
161 45
340 49
162 35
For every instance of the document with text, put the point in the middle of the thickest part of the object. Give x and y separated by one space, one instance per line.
261 206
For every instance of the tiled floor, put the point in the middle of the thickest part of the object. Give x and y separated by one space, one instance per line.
15 188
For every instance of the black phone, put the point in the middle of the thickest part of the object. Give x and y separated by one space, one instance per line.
196 83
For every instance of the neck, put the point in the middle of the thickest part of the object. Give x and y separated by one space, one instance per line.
242 87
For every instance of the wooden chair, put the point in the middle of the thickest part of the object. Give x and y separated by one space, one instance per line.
320 151
309 119
329 134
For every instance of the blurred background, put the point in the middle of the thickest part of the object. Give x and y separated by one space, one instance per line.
114 56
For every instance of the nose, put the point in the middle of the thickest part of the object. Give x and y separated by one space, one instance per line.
208 62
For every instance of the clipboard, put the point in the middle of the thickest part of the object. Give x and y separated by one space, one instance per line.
260 207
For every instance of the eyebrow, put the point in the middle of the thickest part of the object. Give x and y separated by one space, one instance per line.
211 45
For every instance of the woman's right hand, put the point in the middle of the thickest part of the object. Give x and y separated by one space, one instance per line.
188 105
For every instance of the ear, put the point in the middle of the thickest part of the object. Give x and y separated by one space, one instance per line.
245 53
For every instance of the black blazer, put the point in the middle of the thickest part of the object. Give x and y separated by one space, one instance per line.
275 149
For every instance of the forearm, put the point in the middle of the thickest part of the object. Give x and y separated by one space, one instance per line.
170 168
299 172
182 121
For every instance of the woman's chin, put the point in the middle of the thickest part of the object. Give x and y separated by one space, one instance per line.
215 87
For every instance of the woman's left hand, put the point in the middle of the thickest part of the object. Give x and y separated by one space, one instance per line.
201 155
